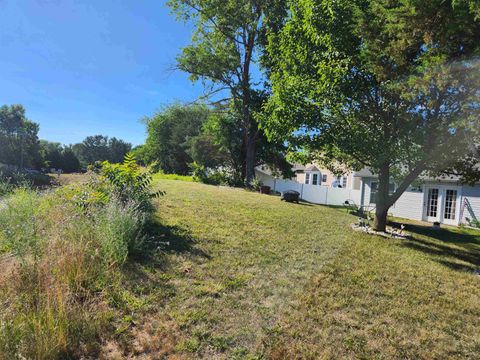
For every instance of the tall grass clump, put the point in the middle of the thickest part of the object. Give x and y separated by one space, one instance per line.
60 252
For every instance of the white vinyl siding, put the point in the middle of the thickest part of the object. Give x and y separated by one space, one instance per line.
409 206
472 197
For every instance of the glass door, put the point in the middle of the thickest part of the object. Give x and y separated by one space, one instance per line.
450 206
432 210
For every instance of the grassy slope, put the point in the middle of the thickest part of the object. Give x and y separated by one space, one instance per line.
252 277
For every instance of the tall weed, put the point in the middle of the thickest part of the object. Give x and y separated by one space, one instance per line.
59 261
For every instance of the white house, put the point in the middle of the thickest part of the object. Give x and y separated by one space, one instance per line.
444 200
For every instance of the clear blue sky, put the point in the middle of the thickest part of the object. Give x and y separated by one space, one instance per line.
85 67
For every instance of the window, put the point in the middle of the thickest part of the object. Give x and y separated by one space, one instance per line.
307 178
344 182
315 179
374 190
324 178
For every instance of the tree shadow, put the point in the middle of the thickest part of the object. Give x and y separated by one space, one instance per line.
163 240
458 249
148 270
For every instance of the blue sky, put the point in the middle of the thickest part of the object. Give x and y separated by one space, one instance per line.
91 67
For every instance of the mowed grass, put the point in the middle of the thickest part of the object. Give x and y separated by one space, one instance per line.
250 277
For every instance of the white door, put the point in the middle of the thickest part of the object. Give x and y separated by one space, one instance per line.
450 206
442 204
432 210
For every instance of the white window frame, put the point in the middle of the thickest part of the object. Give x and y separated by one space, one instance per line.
309 175
324 178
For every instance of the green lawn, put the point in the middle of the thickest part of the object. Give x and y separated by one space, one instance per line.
247 276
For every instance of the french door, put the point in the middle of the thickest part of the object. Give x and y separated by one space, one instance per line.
442 204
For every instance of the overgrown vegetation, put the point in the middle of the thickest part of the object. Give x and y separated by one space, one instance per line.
62 255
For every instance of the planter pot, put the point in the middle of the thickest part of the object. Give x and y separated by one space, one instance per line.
264 189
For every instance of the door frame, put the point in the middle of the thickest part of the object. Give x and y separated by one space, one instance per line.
442 189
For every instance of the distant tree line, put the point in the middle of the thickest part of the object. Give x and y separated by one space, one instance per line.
203 140
21 147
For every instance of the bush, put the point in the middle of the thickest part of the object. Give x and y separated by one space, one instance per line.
124 182
474 223
223 176
10 180
256 184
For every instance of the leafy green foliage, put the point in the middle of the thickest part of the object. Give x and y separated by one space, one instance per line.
256 184
126 182
224 54
18 137
169 134
100 148
57 156
221 176
389 85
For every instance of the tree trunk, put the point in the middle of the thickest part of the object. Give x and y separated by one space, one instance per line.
380 223
382 200
250 157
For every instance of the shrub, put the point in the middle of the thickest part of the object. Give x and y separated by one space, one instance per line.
5 186
256 184
222 176
474 223
124 182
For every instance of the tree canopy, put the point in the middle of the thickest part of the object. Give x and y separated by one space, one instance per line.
18 137
57 156
226 46
388 85
99 148
169 132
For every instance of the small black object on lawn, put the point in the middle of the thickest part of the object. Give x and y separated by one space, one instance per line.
290 196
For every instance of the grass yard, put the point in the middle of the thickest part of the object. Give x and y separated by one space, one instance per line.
246 276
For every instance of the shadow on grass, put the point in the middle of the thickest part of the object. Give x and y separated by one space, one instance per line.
457 249
170 239
146 272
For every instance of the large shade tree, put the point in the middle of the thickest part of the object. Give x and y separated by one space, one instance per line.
19 144
392 85
170 132
226 46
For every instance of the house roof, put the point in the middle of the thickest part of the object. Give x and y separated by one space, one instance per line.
312 168
366 173
298 167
